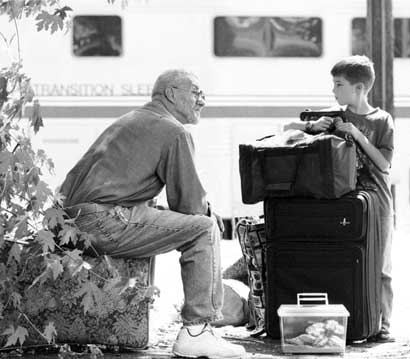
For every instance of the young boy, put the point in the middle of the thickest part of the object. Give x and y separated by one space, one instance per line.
372 129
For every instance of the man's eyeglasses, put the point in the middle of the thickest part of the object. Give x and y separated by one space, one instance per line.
197 93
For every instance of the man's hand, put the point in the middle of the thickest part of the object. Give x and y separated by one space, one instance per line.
322 124
217 217
219 221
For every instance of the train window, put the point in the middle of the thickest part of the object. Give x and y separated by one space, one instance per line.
401 36
97 36
247 36
359 45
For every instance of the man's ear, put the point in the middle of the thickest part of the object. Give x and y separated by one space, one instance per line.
169 94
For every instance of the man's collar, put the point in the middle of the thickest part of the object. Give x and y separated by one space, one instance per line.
158 107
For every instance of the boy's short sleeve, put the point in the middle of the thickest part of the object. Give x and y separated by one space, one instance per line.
386 139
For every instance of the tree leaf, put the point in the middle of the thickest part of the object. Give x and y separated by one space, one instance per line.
6 158
50 332
35 117
91 295
43 192
22 228
76 268
86 238
46 239
62 13
73 256
68 234
53 217
23 156
15 299
59 198
14 253
74 262
32 176
15 335
55 267
46 21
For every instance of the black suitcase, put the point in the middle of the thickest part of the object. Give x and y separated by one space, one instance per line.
328 246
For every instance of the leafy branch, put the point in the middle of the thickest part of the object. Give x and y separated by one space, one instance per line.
24 222
33 227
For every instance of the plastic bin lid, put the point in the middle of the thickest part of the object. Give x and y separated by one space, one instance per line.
319 310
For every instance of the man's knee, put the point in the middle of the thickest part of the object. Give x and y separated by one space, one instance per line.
205 232
208 224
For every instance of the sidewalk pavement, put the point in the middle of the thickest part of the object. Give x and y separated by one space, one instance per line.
257 348
165 324
266 348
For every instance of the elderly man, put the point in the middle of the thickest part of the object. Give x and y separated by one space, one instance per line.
126 167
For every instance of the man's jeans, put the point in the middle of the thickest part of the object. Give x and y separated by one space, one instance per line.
144 231
386 255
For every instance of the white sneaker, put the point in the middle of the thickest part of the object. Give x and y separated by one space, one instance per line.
206 344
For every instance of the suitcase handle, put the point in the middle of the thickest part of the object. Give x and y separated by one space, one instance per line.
312 298
309 115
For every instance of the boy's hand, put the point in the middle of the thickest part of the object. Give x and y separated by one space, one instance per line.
322 124
349 128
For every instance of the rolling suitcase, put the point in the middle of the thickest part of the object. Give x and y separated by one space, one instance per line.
325 246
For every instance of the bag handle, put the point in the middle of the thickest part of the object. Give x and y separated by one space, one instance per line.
309 115
312 297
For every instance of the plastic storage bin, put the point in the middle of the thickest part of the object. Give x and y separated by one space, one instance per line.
311 327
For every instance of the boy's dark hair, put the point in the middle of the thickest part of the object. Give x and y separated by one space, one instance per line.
355 69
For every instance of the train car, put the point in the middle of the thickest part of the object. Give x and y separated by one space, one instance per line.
260 63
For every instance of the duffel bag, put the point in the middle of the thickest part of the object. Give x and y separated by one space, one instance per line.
297 164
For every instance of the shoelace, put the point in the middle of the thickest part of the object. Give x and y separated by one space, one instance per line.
207 328
217 336
195 335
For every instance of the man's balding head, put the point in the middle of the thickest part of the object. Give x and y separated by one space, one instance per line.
171 78
180 93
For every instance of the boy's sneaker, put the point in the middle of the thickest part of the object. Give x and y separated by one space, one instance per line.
206 344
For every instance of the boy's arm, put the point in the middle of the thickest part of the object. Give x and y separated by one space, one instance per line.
297 125
320 125
371 151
